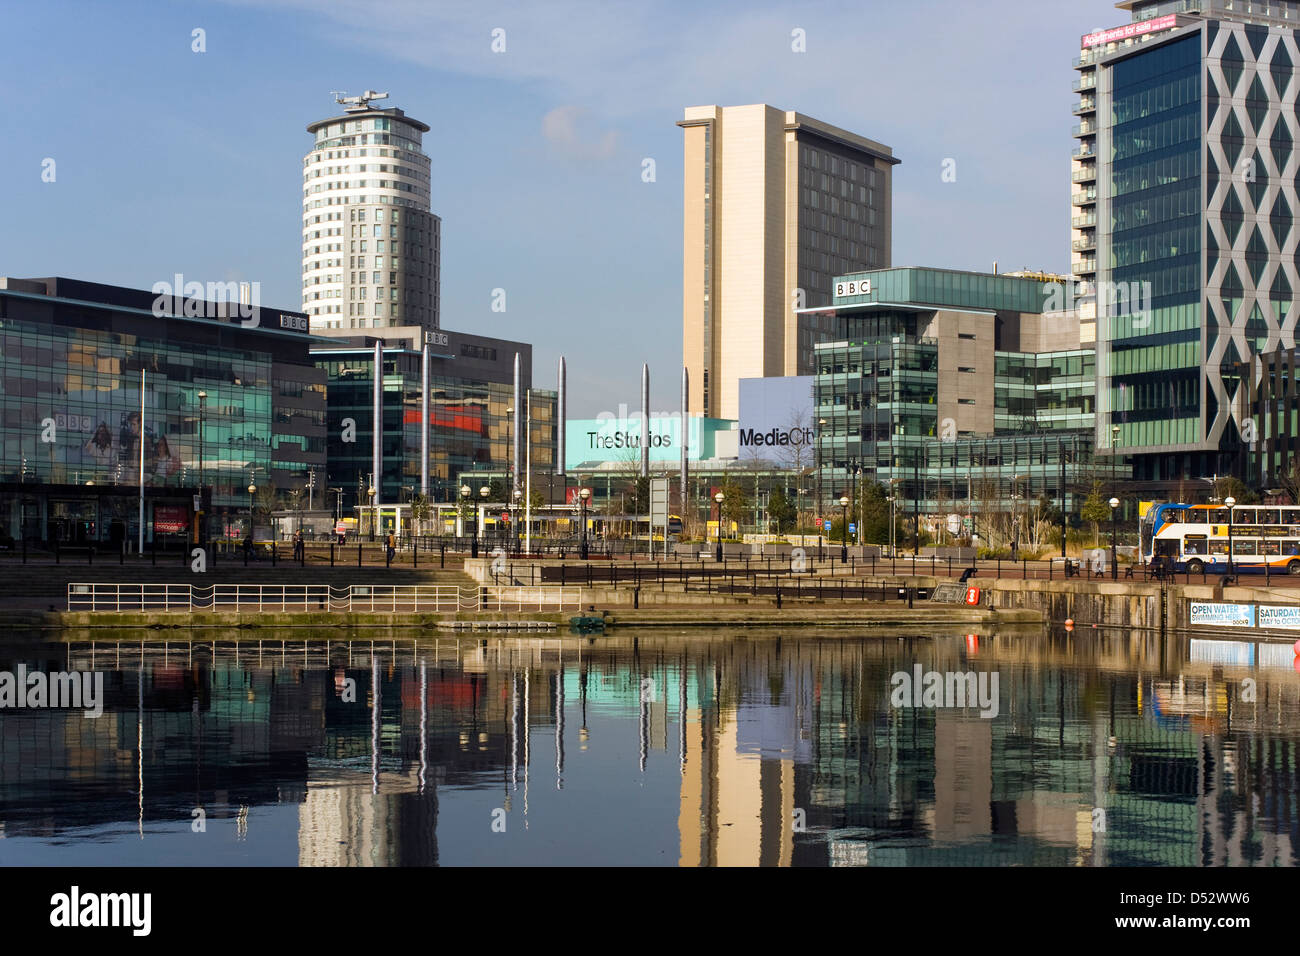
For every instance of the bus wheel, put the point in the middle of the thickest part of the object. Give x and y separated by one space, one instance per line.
1293 567
1196 567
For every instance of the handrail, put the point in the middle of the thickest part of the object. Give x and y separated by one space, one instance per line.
371 598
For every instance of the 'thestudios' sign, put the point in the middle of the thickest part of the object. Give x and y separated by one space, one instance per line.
776 416
617 438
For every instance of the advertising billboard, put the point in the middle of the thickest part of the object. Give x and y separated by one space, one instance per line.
776 419
1223 615
595 441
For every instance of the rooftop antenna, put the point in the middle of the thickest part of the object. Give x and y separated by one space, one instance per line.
357 104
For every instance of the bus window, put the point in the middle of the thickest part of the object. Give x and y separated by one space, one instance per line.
1244 547
1219 547
1291 515
1196 515
1219 516
1194 546
1291 546
1267 516
1272 547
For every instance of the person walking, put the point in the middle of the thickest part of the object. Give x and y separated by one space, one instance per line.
299 546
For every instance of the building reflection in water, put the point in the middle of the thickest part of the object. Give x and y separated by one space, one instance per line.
1107 749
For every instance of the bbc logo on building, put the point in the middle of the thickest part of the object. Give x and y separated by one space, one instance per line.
853 287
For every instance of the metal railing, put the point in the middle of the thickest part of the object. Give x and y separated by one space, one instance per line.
369 598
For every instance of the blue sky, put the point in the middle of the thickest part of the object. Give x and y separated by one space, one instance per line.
174 161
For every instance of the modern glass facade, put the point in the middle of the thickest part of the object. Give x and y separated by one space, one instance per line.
1151 362
879 391
74 423
1194 206
470 427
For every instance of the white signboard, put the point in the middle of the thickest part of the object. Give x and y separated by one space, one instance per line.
855 287
1272 615
1224 615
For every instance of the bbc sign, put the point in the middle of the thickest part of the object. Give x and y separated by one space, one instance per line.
853 287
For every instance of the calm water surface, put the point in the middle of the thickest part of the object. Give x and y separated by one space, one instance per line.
686 749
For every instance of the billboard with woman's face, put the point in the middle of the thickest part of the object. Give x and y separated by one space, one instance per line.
111 455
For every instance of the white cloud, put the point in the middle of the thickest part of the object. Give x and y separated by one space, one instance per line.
560 127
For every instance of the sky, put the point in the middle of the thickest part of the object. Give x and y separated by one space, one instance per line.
169 160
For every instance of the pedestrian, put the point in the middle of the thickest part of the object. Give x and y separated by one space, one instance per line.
299 545
248 546
392 548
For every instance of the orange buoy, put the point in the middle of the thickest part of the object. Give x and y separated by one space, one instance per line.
1069 624
1296 646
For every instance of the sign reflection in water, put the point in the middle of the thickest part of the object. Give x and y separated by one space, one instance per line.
735 750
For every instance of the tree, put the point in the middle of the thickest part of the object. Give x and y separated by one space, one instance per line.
735 505
873 507
780 510
1290 480
420 511
1095 509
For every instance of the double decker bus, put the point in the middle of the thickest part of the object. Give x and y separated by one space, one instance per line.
1195 538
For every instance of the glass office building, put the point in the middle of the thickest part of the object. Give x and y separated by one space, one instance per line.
471 387
950 386
1184 204
225 402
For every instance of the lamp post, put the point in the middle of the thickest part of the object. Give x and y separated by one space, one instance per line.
891 526
719 498
1114 458
1230 502
817 509
514 516
203 522
1114 568
583 495
465 511
844 531
252 490
370 504
483 493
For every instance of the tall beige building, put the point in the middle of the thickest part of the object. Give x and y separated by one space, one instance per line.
775 204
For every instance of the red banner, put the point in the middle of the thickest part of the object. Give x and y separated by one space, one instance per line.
171 519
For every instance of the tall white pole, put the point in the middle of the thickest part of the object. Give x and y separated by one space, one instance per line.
528 473
140 441
377 435
424 431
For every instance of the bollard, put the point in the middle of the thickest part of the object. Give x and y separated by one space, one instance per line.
358 554
778 597
636 598
331 554
273 554
415 554
909 597
442 553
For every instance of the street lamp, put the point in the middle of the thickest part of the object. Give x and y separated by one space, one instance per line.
514 516
1114 568
252 490
1114 458
370 500
821 428
844 531
1230 502
465 512
583 495
718 498
891 525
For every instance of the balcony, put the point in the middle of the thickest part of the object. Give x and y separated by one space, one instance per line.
1088 174
1087 81
1084 129
1087 219
1086 243
1085 105
1084 267
1086 198
1086 59
1085 151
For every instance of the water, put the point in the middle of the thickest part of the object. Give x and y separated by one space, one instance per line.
718 748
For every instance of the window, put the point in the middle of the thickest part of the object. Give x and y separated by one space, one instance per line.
962 368
966 335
